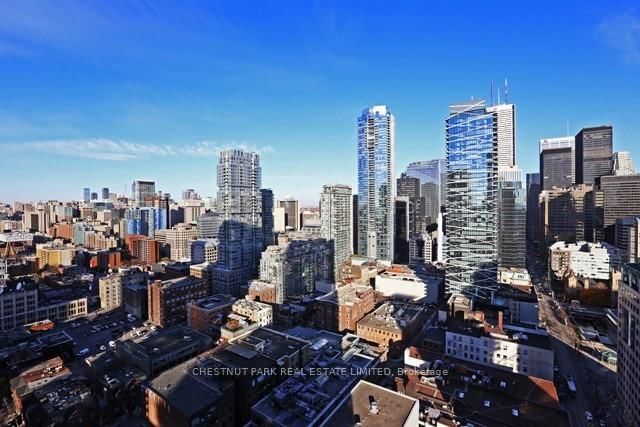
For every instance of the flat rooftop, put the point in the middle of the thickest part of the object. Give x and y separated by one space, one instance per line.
214 302
392 408
180 282
345 295
168 340
391 316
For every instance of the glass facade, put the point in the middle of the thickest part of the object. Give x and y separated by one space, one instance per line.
472 200
513 219
376 183
432 175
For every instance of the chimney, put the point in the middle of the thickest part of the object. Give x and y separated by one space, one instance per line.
500 320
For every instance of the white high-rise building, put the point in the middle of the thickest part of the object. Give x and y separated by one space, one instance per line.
376 183
240 234
504 122
335 222
623 164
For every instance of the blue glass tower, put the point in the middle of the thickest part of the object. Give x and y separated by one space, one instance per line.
472 200
376 183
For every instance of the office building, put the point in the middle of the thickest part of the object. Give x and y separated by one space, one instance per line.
557 162
145 220
169 347
254 311
512 245
189 194
94 196
291 213
86 195
192 209
341 309
112 288
391 324
22 303
279 222
179 239
105 193
141 191
432 176
566 214
376 183
207 313
623 164
409 186
208 224
614 197
504 119
594 150
404 229
268 238
240 235
584 259
472 200
628 238
629 345
204 250
168 299
335 222
533 213
413 283
354 223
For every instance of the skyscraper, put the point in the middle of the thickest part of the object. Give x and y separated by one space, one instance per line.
208 224
409 186
291 212
594 149
504 117
623 164
267 217
557 162
240 235
432 175
141 190
472 200
335 222
533 221
376 183
628 345
105 193
512 245
404 217
86 194
94 196
566 214
614 197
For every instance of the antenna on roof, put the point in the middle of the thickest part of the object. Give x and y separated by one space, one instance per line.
491 92
506 91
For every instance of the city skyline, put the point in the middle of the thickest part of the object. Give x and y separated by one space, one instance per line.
74 97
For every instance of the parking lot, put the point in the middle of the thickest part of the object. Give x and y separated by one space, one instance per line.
95 335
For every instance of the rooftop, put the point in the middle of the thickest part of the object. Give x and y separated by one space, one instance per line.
214 302
392 316
345 295
167 340
179 282
186 392
370 405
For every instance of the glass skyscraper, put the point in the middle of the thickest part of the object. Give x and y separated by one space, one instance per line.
472 200
376 183
335 222
512 207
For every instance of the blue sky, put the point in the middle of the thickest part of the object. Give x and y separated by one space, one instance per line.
100 93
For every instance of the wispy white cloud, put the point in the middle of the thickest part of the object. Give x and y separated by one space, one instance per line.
115 150
622 33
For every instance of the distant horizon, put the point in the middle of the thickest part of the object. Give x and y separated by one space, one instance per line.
97 95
